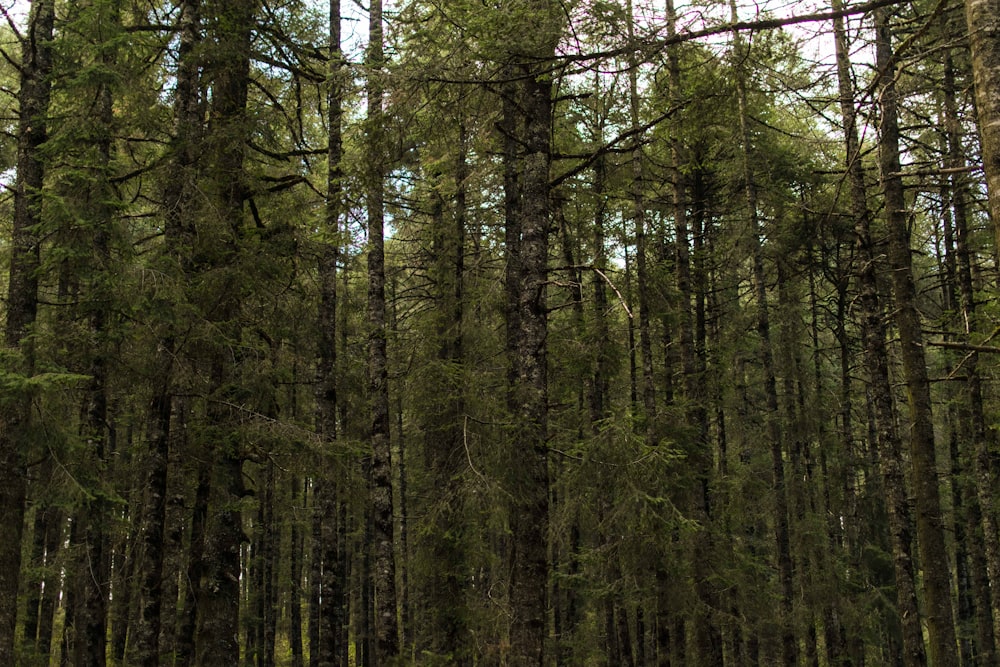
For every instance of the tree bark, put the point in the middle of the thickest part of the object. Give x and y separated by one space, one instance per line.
95 514
529 482
772 418
177 210
296 557
443 543
983 437
332 603
384 575
708 637
885 437
22 302
983 19
643 287
219 238
930 520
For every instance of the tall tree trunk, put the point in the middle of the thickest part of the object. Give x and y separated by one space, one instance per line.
709 641
331 601
529 482
194 567
40 562
772 417
983 19
219 240
296 557
930 521
885 438
95 515
123 602
643 287
384 576
401 519
22 302
269 556
54 542
443 543
317 512
983 438
177 211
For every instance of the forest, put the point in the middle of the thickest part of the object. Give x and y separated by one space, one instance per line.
499 333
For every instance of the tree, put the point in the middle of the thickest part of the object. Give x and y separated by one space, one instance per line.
929 517
217 251
983 20
567 335
332 567
529 483
876 361
22 305
177 209
772 418
386 623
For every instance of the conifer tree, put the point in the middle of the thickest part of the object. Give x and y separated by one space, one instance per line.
22 305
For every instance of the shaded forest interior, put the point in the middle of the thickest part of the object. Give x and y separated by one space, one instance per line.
521 332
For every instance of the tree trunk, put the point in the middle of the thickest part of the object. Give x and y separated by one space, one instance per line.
443 543
930 521
708 638
983 19
177 210
22 303
330 608
771 418
296 557
384 575
318 509
983 438
193 570
529 481
639 225
886 439
219 239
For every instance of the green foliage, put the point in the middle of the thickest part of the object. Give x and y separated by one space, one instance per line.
15 385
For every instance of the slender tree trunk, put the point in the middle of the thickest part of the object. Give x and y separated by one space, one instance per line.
123 600
147 649
95 514
401 519
827 570
50 596
295 558
317 512
219 239
364 634
22 302
639 224
45 528
193 570
67 649
709 640
41 606
983 19
177 209
983 438
885 437
930 520
443 543
330 608
529 487
772 417
268 564
386 623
